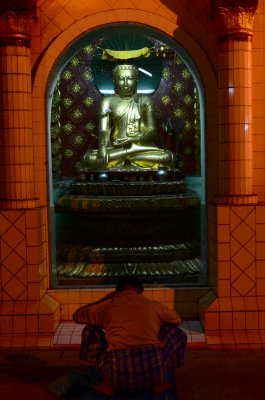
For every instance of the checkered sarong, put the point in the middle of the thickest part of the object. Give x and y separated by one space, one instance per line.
136 368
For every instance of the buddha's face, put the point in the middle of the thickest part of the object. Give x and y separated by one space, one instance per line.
125 81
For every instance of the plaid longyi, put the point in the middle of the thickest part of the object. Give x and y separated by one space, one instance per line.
135 368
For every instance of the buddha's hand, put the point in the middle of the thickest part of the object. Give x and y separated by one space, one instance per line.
121 143
134 135
102 158
126 142
134 139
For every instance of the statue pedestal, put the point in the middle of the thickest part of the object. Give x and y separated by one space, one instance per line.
144 227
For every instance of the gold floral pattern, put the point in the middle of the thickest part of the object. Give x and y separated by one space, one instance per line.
179 113
78 140
166 100
67 102
67 74
75 62
88 49
68 127
87 75
75 87
89 126
77 114
187 100
68 153
187 126
178 87
166 73
88 101
185 73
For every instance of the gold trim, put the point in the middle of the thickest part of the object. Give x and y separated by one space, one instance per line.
15 27
236 23
125 54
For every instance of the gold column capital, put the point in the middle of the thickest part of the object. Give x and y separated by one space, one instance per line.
15 27
236 23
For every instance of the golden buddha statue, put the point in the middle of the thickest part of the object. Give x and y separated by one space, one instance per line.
127 128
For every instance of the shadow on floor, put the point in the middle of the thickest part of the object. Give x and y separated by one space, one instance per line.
206 375
78 384
170 394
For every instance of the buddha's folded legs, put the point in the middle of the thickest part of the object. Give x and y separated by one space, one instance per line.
153 159
135 156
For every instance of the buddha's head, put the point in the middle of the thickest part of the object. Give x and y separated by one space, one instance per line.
125 78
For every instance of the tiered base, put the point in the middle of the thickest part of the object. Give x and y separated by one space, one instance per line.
121 226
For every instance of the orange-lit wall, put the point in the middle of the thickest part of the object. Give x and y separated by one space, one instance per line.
29 310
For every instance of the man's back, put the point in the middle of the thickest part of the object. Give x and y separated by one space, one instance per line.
130 319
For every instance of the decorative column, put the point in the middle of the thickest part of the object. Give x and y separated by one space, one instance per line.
234 310
16 140
235 104
28 315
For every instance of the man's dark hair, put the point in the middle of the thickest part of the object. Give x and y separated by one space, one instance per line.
130 280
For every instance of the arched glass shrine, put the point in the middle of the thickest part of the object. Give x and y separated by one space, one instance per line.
147 222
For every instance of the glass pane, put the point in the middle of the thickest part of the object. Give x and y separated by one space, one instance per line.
129 216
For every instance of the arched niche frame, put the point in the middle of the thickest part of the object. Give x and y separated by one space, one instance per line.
80 42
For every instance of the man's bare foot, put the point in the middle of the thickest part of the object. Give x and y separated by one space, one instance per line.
162 387
105 388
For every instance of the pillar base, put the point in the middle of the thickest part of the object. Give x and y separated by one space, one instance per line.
29 324
233 322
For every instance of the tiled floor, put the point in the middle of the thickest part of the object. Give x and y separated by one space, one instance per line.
69 333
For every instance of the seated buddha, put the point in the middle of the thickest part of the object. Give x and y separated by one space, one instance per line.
127 129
